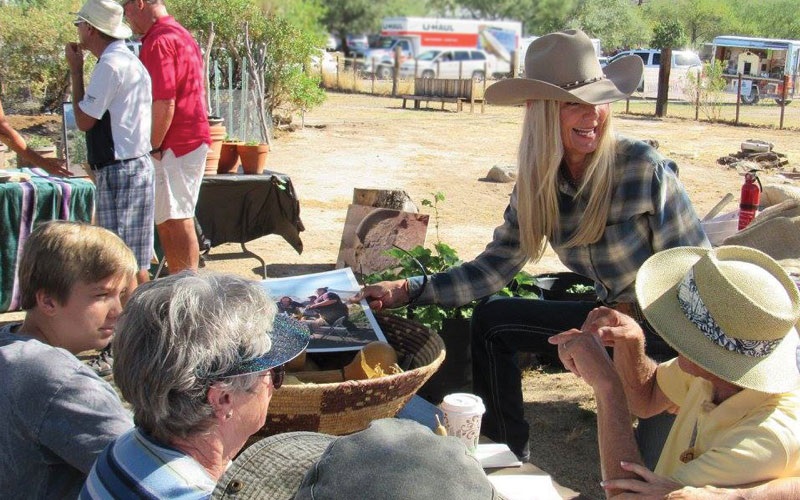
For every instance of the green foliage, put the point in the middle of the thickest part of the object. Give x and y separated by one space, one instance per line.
32 39
288 49
617 23
442 258
38 141
702 20
668 33
708 87
283 33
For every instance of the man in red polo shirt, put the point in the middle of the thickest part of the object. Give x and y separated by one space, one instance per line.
180 134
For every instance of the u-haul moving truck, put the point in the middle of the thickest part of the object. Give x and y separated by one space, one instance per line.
763 64
414 35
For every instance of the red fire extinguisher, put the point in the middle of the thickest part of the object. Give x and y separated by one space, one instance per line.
751 197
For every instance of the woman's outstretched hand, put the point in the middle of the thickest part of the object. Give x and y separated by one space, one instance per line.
384 295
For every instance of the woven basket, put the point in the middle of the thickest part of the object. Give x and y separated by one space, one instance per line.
346 407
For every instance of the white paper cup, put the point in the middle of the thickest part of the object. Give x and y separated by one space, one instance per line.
462 417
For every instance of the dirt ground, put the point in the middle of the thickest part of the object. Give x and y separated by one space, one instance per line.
370 142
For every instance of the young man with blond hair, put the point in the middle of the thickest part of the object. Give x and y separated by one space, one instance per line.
57 414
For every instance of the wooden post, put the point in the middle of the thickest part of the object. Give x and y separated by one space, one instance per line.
783 99
460 69
738 97
355 73
372 91
338 86
396 73
697 97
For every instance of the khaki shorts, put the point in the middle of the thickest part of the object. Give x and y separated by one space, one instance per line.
177 183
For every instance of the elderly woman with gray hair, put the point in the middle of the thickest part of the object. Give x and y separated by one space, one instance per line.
193 357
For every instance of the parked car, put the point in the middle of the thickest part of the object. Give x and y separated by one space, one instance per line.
325 60
683 63
652 57
356 45
332 43
471 63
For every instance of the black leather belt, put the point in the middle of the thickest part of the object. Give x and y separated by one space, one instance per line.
102 165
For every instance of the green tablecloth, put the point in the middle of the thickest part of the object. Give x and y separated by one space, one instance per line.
25 204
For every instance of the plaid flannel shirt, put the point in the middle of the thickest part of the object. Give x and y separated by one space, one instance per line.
650 211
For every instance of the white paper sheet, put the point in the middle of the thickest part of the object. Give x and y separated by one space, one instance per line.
496 455
525 487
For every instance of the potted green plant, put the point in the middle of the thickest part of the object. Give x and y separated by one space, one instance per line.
254 156
41 145
229 156
451 323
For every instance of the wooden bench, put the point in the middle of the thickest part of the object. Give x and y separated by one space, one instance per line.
454 90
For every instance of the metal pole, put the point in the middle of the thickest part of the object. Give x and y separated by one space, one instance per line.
234 132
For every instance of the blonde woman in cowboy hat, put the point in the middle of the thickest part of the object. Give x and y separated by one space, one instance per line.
730 313
604 204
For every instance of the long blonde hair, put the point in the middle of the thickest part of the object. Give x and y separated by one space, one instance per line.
540 155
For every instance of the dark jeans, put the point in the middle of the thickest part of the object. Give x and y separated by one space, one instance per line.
501 327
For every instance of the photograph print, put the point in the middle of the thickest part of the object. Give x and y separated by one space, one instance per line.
321 301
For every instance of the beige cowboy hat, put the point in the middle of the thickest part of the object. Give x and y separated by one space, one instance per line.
731 310
106 17
562 66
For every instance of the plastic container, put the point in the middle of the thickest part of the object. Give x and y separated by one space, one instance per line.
720 227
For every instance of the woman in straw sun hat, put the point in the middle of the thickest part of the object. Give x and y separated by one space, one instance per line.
731 314
604 203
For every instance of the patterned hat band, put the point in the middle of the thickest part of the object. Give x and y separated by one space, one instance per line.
573 85
696 312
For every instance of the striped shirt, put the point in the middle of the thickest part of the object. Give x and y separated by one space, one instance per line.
135 466
650 211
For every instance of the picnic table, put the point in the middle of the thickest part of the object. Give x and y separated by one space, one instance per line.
25 204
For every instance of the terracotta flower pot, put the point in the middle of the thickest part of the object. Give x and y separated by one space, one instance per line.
217 136
229 158
254 157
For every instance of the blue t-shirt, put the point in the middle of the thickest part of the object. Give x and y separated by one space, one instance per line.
56 417
136 466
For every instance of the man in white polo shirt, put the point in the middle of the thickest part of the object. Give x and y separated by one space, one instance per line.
115 112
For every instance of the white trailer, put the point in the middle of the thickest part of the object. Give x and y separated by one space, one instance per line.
414 35
763 63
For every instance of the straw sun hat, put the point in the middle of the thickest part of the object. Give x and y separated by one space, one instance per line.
731 310
106 17
562 66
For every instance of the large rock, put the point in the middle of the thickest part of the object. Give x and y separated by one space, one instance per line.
502 174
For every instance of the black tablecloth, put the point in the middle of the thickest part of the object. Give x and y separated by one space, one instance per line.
236 208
